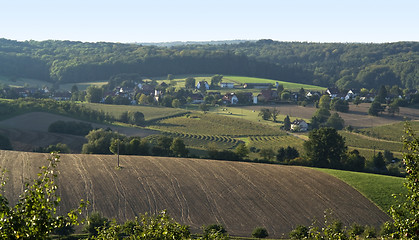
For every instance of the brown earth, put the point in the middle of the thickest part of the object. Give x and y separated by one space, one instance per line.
30 130
356 117
239 195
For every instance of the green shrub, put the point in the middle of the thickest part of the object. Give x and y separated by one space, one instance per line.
260 232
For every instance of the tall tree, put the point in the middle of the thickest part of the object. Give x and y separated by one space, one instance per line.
325 147
190 82
93 94
287 123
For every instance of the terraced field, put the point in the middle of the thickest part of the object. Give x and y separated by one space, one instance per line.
238 195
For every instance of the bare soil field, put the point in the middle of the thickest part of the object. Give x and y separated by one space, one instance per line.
357 116
30 130
238 195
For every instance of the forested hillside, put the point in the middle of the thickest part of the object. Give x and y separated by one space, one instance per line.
345 65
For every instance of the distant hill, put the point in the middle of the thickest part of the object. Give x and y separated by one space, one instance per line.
180 43
238 195
346 65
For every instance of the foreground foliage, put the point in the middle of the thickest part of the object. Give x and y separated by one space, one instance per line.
406 214
35 214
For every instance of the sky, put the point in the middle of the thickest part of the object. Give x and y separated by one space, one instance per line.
128 21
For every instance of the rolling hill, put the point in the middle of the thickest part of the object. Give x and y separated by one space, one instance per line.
196 192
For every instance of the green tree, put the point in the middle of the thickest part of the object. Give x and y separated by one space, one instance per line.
265 113
406 214
99 141
324 102
190 82
93 94
379 163
136 118
260 232
287 123
94 222
178 148
216 79
375 108
325 147
393 108
274 114
176 103
204 107
339 105
35 214
242 151
354 161
335 121
357 100
382 94
267 154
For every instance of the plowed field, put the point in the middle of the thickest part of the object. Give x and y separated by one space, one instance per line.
195 192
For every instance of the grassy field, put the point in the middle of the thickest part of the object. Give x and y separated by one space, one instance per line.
197 192
392 132
212 124
287 85
150 113
21 82
378 188
82 86
357 140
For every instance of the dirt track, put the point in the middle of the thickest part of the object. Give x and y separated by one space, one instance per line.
195 192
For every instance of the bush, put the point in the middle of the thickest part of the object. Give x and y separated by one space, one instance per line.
260 232
300 232
71 127
95 221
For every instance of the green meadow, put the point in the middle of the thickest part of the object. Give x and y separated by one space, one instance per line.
378 188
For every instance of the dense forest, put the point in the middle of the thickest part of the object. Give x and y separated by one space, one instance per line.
345 65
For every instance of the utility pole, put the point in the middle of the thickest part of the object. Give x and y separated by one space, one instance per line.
118 152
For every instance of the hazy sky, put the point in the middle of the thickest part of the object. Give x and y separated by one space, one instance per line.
202 20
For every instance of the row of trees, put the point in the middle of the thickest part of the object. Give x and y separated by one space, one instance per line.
102 141
326 64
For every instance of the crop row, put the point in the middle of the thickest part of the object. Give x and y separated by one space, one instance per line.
212 138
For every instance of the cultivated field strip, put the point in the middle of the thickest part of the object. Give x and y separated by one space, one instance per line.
230 142
238 195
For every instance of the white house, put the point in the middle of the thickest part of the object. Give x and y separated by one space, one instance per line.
230 98
198 86
299 125
227 85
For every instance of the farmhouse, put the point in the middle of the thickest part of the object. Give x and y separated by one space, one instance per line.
227 85
257 85
268 95
230 98
333 92
299 125
203 83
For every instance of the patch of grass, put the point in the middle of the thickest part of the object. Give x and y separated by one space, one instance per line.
377 188
21 82
392 132
82 86
354 140
150 112
287 85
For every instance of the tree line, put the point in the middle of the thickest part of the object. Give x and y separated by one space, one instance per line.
345 65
